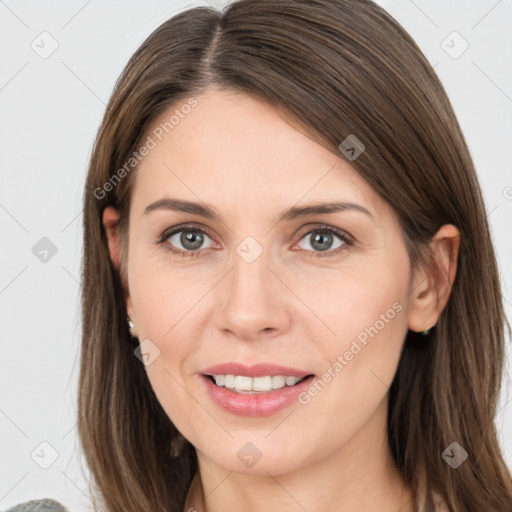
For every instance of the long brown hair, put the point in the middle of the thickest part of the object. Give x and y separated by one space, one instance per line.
338 67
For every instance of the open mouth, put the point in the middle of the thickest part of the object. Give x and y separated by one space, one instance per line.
256 385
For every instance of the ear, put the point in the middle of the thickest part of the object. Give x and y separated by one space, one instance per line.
111 225
431 288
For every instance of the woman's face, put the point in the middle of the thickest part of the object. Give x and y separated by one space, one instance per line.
255 287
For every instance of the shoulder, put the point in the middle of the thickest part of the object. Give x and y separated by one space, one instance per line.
44 505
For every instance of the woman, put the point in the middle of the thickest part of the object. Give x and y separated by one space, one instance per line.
282 233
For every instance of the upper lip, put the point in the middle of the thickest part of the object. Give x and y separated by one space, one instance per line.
257 370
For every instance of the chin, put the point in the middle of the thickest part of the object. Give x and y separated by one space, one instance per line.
250 460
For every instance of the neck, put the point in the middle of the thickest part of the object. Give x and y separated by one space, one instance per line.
361 475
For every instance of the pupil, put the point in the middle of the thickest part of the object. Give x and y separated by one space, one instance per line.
193 238
321 237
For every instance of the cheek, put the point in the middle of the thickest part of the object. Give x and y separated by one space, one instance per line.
371 314
360 346
168 310
361 360
364 303
163 317
162 298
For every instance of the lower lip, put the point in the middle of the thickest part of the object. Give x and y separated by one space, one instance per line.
257 404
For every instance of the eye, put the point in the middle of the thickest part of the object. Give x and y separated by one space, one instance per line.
322 240
188 241
189 238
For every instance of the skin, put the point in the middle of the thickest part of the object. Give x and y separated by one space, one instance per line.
290 306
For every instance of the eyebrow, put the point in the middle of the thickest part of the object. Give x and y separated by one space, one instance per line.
294 212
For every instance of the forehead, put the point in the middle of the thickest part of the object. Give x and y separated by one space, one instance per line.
235 150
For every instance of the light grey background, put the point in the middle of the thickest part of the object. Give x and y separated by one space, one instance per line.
50 111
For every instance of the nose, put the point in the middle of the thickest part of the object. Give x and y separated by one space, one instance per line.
253 302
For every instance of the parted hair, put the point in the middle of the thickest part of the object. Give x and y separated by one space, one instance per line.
337 67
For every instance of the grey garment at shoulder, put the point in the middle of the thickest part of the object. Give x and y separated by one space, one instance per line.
44 505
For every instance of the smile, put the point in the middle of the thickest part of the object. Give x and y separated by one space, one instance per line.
248 385
252 403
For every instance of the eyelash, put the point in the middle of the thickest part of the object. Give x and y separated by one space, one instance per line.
325 229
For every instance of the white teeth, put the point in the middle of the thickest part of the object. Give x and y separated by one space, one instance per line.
220 380
262 384
243 384
278 381
229 381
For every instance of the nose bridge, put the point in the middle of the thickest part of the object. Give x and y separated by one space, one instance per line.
251 299
249 278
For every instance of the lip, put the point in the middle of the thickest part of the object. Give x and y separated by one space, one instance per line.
257 404
258 370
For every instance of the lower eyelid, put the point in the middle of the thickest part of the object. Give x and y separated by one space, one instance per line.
345 239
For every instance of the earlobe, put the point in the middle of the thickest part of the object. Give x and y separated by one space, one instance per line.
432 288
